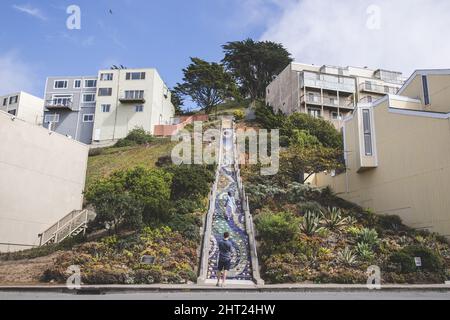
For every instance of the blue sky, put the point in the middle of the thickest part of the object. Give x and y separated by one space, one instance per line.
401 35
139 33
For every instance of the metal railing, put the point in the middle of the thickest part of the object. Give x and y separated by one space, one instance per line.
59 103
72 224
372 87
249 226
203 272
326 101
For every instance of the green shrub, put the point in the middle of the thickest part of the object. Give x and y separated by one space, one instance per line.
238 115
95 152
431 261
332 219
276 228
365 252
347 257
137 136
368 236
310 224
401 262
311 206
190 181
390 222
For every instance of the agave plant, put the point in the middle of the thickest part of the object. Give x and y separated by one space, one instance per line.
347 257
310 224
369 236
365 251
333 220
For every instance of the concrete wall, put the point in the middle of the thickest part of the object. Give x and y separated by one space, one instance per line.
42 179
412 177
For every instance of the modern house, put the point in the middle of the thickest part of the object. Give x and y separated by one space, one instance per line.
42 177
130 98
397 153
329 92
70 106
24 106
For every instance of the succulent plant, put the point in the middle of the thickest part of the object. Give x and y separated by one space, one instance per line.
369 236
310 224
364 251
347 257
333 220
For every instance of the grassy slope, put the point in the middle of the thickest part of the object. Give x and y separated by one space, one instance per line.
113 159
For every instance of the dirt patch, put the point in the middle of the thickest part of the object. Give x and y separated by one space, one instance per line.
25 272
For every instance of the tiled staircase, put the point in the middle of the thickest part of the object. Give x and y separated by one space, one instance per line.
244 266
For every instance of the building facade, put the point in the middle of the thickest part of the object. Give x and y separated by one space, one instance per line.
70 106
24 106
127 99
397 153
42 179
329 92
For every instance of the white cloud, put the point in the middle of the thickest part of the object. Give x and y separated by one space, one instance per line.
15 75
412 34
28 9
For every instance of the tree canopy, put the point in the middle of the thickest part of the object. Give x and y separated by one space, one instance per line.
254 64
207 84
177 101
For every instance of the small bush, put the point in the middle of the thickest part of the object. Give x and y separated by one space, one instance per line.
238 115
311 206
401 262
95 152
137 136
369 236
310 224
275 229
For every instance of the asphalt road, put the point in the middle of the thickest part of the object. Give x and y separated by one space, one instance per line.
283 295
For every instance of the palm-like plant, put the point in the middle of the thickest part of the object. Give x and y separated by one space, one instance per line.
365 251
347 257
333 220
369 236
310 224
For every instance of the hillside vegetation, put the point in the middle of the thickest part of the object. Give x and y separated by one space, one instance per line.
306 234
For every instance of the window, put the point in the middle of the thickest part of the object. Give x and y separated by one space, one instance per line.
62 100
60 84
106 107
51 118
88 118
139 108
367 132
5 101
336 116
368 85
314 112
106 76
77 84
426 94
13 112
135 76
369 99
134 94
89 97
90 83
105 92
13 99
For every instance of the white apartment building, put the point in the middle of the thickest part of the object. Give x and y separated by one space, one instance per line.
127 99
24 106
329 92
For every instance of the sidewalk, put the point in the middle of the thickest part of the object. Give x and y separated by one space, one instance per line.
230 287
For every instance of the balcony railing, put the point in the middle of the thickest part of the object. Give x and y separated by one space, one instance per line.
133 97
371 87
327 101
58 104
329 85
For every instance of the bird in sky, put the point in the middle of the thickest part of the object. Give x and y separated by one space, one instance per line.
110 11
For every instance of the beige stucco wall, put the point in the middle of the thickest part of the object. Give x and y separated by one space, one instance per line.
28 107
42 179
122 117
412 178
438 87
